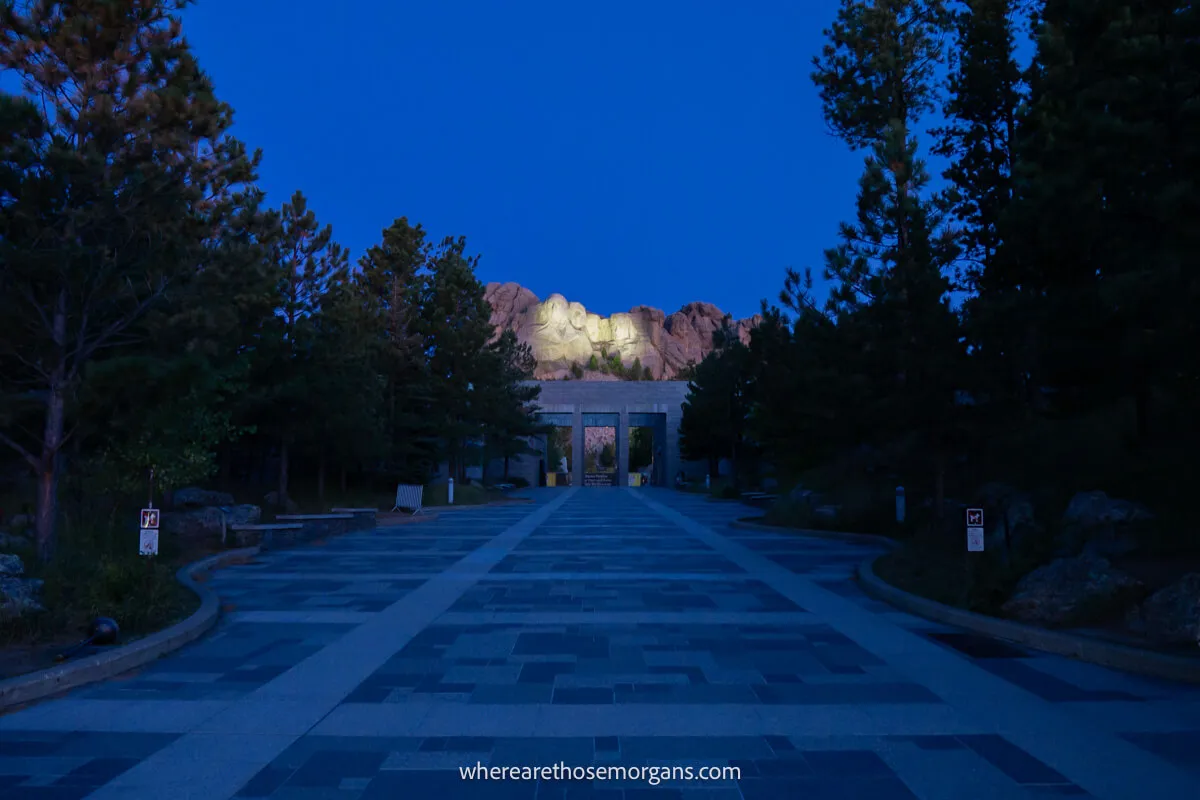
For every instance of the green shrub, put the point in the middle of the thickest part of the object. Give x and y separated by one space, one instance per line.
141 594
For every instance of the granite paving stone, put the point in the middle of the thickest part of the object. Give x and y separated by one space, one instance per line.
625 629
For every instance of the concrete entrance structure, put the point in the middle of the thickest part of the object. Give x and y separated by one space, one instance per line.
624 404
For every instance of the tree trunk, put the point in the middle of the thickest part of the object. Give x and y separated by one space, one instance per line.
321 480
226 467
52 439
47 508
939 491
1142 406
505 467
281 501
733 465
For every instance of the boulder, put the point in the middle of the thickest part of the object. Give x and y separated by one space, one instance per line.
19 596
1171 615
1101 523
271 500
1009 521
1093 509
11 565
195 497
1070 591
827 513
11 541
200 524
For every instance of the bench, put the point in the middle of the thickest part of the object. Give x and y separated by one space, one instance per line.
266 536
317 526
364 518
409 497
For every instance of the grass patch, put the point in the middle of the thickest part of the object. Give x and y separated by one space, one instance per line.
97 575
471 494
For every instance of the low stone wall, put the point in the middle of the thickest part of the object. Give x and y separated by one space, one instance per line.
320 526
293 529
267 536
363 518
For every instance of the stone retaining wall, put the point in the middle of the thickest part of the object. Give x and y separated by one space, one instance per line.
293 529
363 518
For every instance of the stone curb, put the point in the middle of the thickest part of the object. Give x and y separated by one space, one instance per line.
1083 648
853 538
107 663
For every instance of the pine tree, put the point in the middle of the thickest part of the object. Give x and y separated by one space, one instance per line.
1106 197
506 399
890 290
115 160
390 278
307 262
985 92
347 395
456 324
718 405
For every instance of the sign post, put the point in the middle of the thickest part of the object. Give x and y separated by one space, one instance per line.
148 532
974 530
974 545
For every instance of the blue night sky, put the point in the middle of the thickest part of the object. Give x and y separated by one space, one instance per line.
619 153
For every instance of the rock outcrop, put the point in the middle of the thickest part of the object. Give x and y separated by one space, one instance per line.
1072 591
1101 525
18 595
563 334
208 524
1170 616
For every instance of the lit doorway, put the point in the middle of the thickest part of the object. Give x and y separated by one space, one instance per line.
600 449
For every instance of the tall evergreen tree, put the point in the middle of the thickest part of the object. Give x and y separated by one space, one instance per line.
890 289
115 160
507 399
456 324
985 92
717 409
1106 196
306 261
390 278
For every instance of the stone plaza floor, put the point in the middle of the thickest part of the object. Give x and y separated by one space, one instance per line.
605 628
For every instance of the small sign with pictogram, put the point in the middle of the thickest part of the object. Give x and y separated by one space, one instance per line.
974 517
148 542
149 518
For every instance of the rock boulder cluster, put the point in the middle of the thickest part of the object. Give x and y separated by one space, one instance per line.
563 333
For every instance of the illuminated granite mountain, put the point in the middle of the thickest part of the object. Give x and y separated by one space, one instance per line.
564 334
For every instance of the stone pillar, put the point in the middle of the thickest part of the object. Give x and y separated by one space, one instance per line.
671 457
623 447
577 446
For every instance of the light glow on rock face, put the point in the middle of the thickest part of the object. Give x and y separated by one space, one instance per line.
564 335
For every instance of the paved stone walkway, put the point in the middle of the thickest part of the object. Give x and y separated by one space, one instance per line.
597 627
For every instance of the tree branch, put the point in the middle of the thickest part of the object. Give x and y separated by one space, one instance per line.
34 462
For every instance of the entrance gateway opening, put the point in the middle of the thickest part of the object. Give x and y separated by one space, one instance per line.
608 458
600 449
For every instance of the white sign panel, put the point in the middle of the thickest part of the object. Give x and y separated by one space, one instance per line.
148 546
974 540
